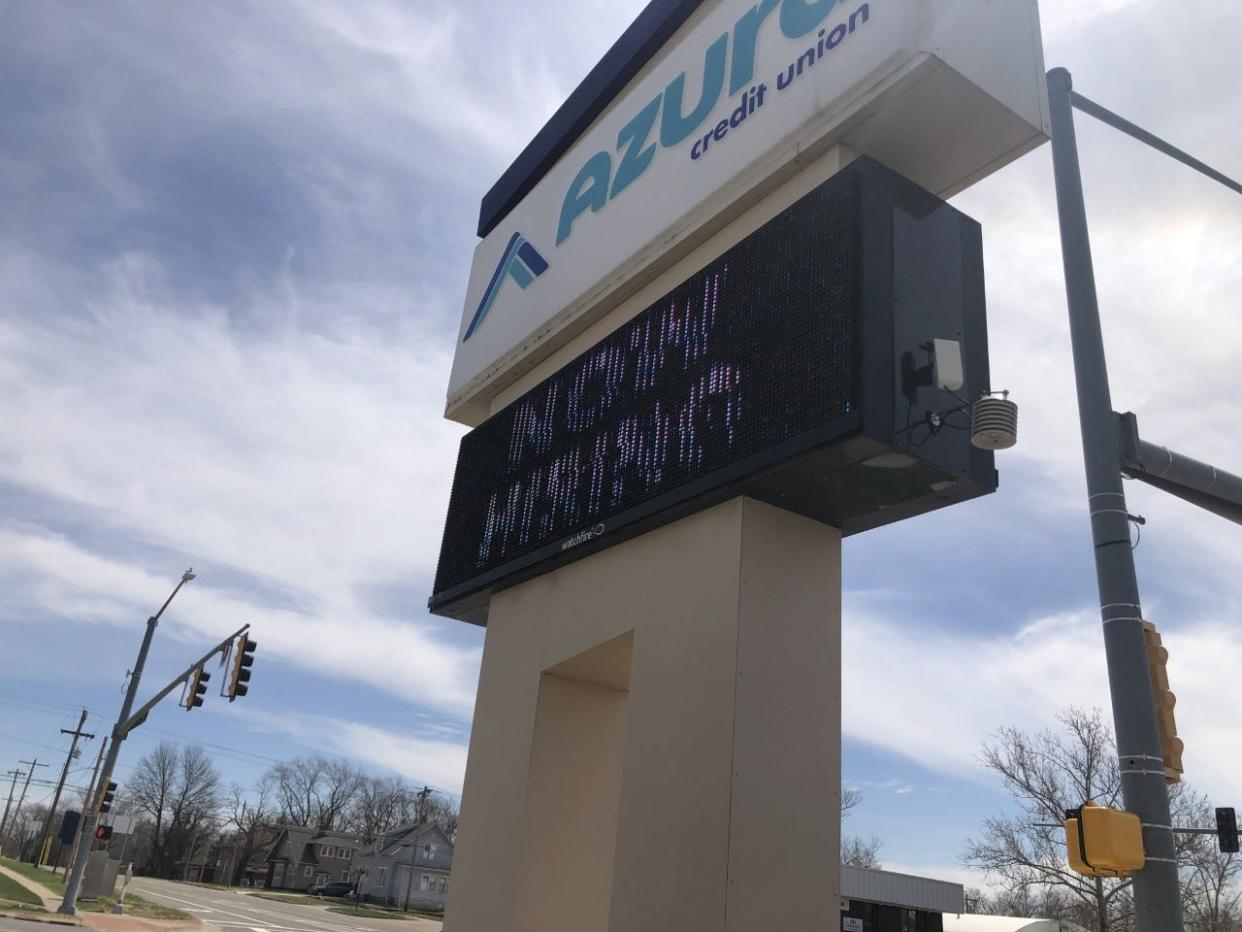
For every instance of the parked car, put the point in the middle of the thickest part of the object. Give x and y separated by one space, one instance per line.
334 888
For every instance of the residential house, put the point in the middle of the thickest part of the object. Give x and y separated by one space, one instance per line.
302 857
410 864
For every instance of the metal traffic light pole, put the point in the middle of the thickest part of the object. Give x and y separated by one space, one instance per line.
1111 446
1157 891
90 818
125 723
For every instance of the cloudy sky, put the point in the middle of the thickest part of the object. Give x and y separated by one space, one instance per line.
234 242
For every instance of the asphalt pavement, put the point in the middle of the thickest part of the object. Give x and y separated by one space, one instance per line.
20 925
234 911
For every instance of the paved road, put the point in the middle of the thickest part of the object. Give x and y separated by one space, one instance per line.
230 911
19 925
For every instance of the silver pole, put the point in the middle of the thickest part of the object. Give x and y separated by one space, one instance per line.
90 818
1157 893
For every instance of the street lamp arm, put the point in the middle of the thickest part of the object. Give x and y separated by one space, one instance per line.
185 578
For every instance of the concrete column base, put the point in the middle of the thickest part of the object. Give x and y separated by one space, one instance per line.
656 743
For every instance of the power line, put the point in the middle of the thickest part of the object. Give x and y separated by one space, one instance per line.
67 706
46 747
171 738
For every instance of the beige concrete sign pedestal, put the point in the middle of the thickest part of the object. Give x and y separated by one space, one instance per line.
656 744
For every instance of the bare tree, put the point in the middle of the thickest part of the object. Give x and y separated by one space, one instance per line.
855 850
861 852
851 797
1211 881
179 790
150 788
380 805
444 814
1023 902
1048 773
249 816
315 791
1052 771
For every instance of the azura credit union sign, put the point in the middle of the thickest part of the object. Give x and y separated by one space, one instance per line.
737 100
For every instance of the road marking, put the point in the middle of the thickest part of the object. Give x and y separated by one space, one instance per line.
270 909
198 906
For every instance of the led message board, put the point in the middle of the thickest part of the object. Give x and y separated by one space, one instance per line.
776 371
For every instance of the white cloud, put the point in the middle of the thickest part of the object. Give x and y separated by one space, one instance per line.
422 758
44 575
313 458
934 695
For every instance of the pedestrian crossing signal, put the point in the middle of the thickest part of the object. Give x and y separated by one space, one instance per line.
1103 842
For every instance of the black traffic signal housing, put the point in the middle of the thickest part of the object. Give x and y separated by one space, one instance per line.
243 660
103 833
1227 830
198 689
106 795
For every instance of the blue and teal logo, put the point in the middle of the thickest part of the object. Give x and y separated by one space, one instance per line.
521 262
728 71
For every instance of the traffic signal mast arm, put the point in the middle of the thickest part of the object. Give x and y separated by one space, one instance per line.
123 729
1200 484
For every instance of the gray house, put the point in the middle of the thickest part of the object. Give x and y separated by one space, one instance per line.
408 866
301 858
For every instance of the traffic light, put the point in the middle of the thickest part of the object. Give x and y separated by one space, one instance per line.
1227 830
103 833
198 689
1104 842
1171 745
106 795
243 660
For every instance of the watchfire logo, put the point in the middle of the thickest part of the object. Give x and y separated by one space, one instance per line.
583 536
522 263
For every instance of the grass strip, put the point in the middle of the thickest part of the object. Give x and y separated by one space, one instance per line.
135 906
54 882
11 890
381 912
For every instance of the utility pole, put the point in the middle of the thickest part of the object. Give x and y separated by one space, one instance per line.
189 858
5 821
418 834
64 774
32 764
90 795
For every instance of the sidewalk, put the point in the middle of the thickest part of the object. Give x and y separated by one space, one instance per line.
51 899
101 921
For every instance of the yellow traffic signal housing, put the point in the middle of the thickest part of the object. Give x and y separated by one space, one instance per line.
1104 842
1171 745
243 660
198 689
105 798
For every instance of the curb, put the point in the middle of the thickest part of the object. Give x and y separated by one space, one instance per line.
38 917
